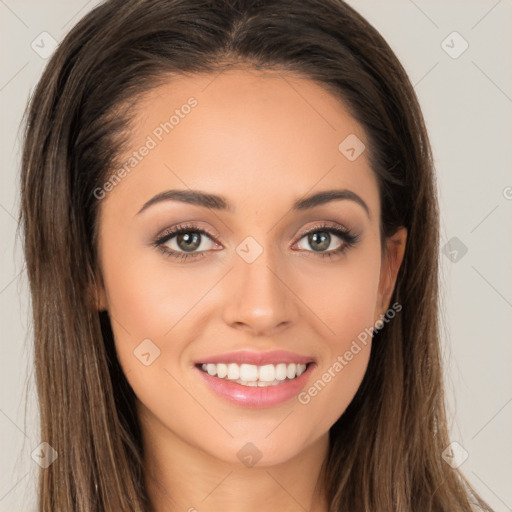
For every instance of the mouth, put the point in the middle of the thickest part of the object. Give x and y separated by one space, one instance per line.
256 380
254 376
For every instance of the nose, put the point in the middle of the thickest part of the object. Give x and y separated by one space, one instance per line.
259 297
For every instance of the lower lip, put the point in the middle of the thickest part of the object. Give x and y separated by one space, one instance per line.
254 396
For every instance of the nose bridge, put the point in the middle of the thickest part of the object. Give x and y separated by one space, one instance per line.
257 297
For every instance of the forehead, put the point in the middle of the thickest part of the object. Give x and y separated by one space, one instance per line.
244 133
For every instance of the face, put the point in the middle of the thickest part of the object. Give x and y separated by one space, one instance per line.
218 246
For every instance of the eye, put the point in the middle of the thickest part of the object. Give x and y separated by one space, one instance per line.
186 242
327 240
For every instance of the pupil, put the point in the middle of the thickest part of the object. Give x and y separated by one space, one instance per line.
319 241
191 241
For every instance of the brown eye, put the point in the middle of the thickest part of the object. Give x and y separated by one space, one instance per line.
188 241
319 241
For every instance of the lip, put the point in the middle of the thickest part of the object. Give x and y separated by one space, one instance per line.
257 358
254 396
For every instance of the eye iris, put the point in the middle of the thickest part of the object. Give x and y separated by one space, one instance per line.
319 241
191 240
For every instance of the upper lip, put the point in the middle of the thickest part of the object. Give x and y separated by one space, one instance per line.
257 358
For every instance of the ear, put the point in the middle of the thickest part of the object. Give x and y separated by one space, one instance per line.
392 257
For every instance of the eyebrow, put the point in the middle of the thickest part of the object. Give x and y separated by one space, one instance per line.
217 202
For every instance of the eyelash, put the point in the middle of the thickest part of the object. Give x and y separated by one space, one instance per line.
346 235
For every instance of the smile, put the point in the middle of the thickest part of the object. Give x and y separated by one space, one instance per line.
252 375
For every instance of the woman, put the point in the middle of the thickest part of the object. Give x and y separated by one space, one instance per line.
231 235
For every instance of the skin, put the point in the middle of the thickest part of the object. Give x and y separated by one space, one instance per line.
262 140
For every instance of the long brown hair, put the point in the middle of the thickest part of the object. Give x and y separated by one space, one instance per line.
386 449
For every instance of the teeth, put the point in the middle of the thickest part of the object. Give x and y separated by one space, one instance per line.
267 373
252 375
248 372
281 370
222 370
233 371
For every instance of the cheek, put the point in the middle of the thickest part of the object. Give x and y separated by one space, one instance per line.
345 302
334 385
147 305
149 296
342 296
157 310
343 363
150 307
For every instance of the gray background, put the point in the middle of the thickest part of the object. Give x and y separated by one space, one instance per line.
467 103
